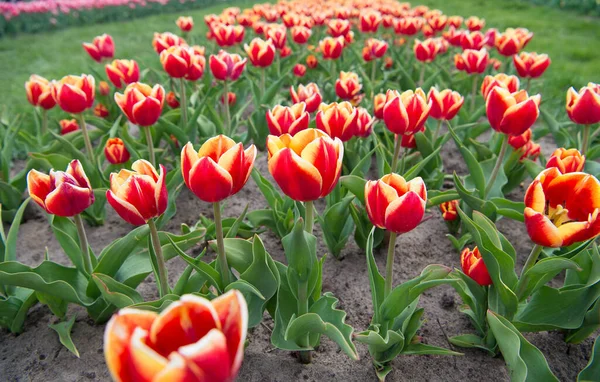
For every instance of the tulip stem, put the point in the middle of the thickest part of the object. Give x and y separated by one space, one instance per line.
309 222
524 280
226 106
586 139
474 92
86 139
422 75
403 161
221 257
262 83
160 260
528 84
305 355
437 131
83 243
150 144
183 103
44 121
373 74
497 166
389 265
397 146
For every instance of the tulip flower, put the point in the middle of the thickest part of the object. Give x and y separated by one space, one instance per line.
183 62
508 43
74 94
531 65
518 141
494 63
331 47
425 51
388 62
172 100
406 113
338 120
299 70
68 126
530 150
65 193
260 52
566 161
101 111
453 36
348 85
166 40
449 210
445 104
473 40
473 266
185 23
285 51
562 209
511 113
437 23
300 34
408 26
288 120
142 105
193 339
338 27
226 67
103 88
510 83
122 72
278 35
311 61
226 35
309 94
583 108
378 104
102 47
306 166
364 123
39 92
374 49
474 23
115 151
455 21
369 20
472 61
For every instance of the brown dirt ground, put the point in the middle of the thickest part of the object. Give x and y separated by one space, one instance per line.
37 355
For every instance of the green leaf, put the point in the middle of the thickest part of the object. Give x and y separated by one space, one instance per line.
416 169
475 170
300 251
118 294
592 371
376 281
64 334
65 232
435 197
200 267
10 252
356 185
470 341
508 208
524 361
14 308
420 349
337 225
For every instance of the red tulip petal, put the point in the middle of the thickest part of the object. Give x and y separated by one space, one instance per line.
145 363
146 112
189 157
296 177
239 164
209 181
38 185
405 213
210 355
541 230
233 315
125 209
69 200
215 147
378 196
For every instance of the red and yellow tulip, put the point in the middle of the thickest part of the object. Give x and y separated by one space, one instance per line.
39 92
68 126
122 72
338 27
183 62
408 26
473 266
518 141
510 83
445 104
406 113
299 70
531 65
300 34
331 47
338 120
141 104
102 47
378 104
511 113
449 210
309 94
115 151
260 52
426 51
288 119
566 161
162 41
364 122
185 23
369 20
474 23
348 85
583 106
226 35
226 67
472 61
74 94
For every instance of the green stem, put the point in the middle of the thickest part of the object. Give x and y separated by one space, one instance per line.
262 81
86 138
44 121
184 109
437 131
83 243
309 223
222 258
226 106
163 286
389 265
524 280
150 143
528 84
586 139
474 92
397 146
403 161
497 166
305 355
422 75
373 73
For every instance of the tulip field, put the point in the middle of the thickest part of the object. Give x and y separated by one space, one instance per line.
327 190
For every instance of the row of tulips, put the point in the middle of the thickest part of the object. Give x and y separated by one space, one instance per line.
317 149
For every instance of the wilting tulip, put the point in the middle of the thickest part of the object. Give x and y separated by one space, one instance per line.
378 104
172 100
226 67
183 62
39 92
364 123
338 120
394 204
74 94
347 86
300 34
100 48
306 166
226 35
562 209
530 150
338 27
311 61
408 26
331 47
473 40
104 88
406 113
231 99
141 104
508 43
260 52
531 65
115 151
122 72
472 61
101 111
473 266
566 161
511 113
583 107
510 83
138 195
166 40
425 51
299 70
288 119
518 141
193 339
445 104
68 126
309 94
218 170
369 20
63 193
185 23
449 210
474 23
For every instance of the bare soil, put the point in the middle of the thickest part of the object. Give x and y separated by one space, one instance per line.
37 355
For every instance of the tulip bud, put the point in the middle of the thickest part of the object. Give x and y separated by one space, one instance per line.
62 193
39 92
473 266
100 48
406 113
378 104
309 94
394 204
218 170
388 62
285 51
510 83
425 51
338 120
364 123
74 94
474 23
183 62
226 67
115 151
138 195
166 40
530 150
185 23
583 107
518 141
104 88
494 63
511 113
101 111
141 104
531 65
331 48
445 104
122 73
231 99
299 70
472 61
300 34
306 166
288 120
311 61
172 100
260 52
347 86
566 161
449 210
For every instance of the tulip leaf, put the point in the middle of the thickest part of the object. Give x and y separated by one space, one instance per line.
272 90
14 308
233 229
591 323
524 361
156 305
473 201
64 334
65 232
376 281
420 349
416 169
118 294
470 341
57 306
475 169
336 224
508 208
300 251
200 267
356 185
436 197
592 370
382 349
561 137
